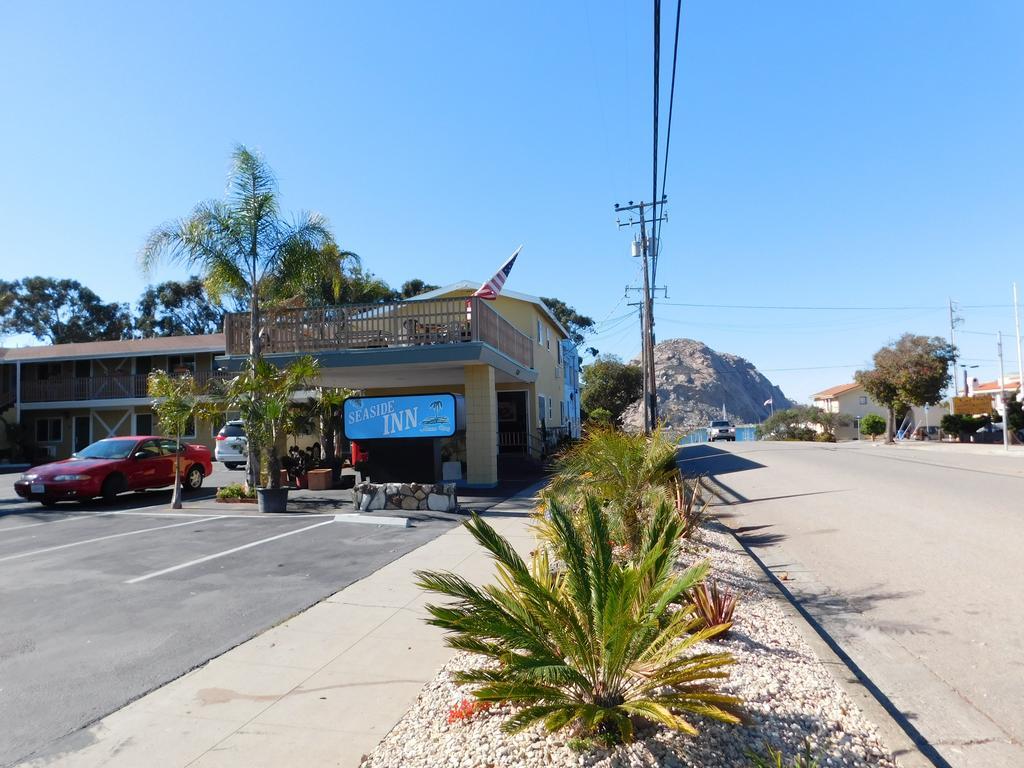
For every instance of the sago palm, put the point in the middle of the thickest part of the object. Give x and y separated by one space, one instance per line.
247 251
631 473
595 642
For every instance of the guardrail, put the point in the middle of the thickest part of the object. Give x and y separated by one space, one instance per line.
123 386
307 330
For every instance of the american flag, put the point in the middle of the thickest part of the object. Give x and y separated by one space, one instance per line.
492 287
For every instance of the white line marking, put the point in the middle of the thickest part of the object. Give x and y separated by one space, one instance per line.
226 552
285 516
352 517
101 538
71 516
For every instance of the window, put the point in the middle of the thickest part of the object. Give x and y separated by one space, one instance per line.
149 447
540 332
143 424
540 408
863 400
190 428
181 363
559 351
49 430
550 406
547 337
170 447
561 412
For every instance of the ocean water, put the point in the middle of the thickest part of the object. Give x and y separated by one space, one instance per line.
701 435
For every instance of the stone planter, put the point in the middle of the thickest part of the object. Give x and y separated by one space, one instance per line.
436 497
272 499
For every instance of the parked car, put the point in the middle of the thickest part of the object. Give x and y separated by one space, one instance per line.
115 465
232 446
720 429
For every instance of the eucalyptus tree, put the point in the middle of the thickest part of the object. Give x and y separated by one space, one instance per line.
245 249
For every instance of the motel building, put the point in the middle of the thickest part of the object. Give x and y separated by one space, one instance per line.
451 386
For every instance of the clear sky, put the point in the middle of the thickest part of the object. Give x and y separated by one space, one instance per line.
827 154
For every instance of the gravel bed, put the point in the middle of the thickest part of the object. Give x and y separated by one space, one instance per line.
788 695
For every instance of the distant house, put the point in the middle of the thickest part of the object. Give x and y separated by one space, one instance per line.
854 401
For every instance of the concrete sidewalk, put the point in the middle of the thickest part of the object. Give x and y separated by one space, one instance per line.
321 689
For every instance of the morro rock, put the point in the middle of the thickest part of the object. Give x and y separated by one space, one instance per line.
694 382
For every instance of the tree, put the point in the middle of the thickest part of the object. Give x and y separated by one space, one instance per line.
576 324
176 308
828 422
913 370
177 402
62 312
610 384
872 425
789 424
415 287
963 425
247 251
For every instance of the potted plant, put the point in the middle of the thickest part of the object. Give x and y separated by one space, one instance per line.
262 394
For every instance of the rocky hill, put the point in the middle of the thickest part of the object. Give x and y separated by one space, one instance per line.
694 382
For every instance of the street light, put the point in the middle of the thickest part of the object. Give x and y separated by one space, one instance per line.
965 367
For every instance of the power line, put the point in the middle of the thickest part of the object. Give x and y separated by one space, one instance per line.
904 308
668 135
810 368
654 165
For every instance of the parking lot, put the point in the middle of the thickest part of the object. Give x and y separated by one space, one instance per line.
102 603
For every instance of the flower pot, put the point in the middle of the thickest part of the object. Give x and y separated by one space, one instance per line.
272 499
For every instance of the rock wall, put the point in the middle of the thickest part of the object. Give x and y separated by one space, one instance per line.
694 382
437 497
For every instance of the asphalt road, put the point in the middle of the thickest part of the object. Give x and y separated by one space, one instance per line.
911 559
90 620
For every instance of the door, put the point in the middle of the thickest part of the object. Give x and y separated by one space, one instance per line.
82 428
513 422
83 377
143 365
148 467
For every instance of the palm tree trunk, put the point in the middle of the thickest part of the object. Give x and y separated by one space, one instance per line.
176 495
252 469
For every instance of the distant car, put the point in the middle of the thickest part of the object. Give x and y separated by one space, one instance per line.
721 430
115 465
232 446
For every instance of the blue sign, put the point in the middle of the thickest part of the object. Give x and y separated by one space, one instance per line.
373 418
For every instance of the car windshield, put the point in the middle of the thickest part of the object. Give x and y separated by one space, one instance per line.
719 423
107 449
232 430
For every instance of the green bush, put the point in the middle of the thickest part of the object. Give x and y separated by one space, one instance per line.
872 425
235 491
593 644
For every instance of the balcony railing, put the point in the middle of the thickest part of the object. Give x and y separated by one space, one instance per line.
122 386
309 330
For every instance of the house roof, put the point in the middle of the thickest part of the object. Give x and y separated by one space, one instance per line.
831 392
1010 384
163 345
466 285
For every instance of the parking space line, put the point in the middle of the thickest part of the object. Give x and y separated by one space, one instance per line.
101 538
214 556
71 516
285 516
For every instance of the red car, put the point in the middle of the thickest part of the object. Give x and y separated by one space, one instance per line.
109 467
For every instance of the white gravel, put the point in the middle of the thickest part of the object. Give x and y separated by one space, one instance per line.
789 696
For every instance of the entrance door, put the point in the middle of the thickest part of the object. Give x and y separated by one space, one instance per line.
82 432
513 422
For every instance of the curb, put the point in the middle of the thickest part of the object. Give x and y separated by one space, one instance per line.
908 746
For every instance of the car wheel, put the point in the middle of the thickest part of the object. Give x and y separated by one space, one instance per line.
112 486
229 465
194 478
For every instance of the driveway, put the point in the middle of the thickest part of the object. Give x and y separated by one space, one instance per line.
911 560
101 604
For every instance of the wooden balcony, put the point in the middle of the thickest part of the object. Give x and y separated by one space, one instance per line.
120 387
308 330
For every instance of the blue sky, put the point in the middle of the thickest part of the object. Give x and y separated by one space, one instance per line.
827 154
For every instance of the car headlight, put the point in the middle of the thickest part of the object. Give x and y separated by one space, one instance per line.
29 477
69 478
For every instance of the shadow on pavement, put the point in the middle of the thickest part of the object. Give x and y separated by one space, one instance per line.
702 459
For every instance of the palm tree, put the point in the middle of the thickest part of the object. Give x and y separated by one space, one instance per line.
245 250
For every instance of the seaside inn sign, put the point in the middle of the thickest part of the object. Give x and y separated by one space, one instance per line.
400 416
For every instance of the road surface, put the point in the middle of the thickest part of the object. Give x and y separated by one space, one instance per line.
911 559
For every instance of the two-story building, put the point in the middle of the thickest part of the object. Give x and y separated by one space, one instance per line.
505 358
65 396
853 401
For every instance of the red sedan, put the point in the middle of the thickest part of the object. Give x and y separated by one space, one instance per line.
109 467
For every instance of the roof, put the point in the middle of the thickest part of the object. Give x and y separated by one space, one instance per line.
466 285
831 392
213 342
1010 384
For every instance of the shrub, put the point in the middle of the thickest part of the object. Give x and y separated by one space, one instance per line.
714 608
872 425
629 473
235 491
773 758
595 643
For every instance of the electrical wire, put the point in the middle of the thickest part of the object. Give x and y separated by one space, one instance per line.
668 142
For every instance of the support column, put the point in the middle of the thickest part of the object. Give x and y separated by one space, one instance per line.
481 426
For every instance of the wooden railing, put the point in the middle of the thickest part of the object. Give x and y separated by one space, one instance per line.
121 386
379 326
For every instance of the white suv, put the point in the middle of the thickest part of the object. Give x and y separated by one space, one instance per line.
232 446
721 430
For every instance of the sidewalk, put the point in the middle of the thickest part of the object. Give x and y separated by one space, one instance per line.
321 689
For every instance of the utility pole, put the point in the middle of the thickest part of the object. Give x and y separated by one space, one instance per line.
646 250
952 343
1002 392
643 353
1020 363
